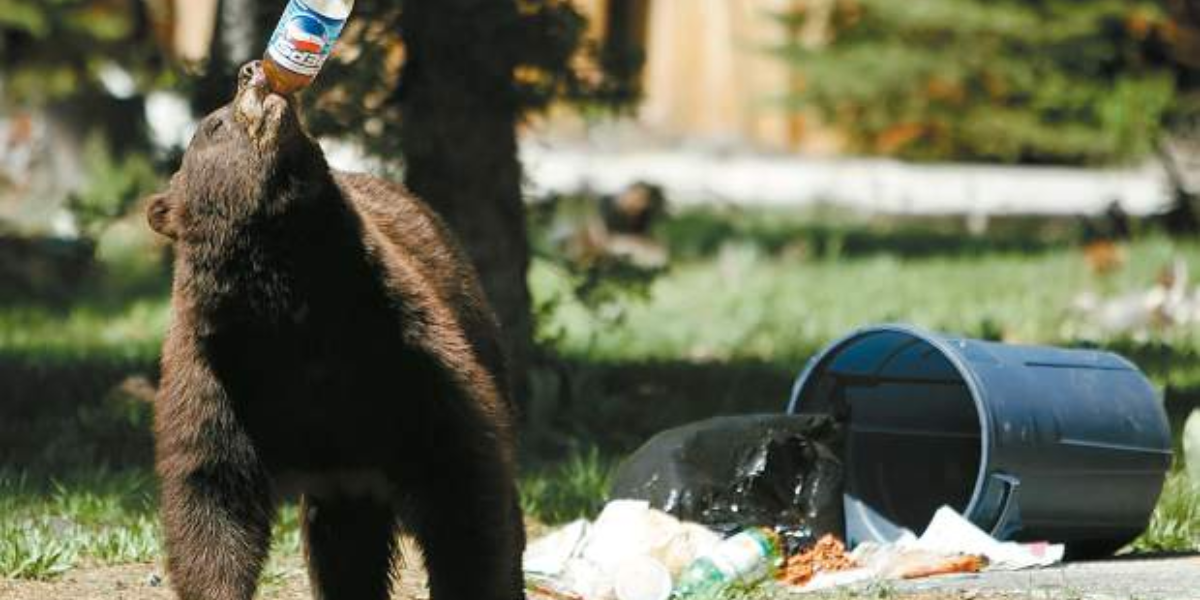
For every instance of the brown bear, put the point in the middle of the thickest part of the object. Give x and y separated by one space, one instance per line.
328 339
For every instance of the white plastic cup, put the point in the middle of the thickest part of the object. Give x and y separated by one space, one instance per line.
642 578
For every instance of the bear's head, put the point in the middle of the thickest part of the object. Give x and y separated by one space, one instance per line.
244 162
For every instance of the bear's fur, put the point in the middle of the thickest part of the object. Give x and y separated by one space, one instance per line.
329 339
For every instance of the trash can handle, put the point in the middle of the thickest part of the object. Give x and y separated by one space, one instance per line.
1009 521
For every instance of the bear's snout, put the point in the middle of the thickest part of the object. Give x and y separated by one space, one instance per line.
252 75
257 108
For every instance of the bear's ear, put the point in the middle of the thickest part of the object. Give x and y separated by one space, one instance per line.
160 214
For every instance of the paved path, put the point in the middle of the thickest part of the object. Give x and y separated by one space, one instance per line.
1129 579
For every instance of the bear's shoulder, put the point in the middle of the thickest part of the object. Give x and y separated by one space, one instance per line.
398 223
401 220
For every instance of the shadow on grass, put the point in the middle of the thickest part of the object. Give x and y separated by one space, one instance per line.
68 419
66 413
59 275
70 412
615 407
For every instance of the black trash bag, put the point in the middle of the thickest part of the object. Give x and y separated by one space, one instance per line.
729 473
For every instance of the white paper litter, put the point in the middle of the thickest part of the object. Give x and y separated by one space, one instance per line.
950 533
589 559
1171 303
549 555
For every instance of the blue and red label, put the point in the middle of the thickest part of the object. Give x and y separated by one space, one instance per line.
304 38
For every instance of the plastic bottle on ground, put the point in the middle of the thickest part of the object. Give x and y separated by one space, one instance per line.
747 557
302 41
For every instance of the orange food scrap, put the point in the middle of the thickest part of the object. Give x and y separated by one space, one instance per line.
945 566
828 555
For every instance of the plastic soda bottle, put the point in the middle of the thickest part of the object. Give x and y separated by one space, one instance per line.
748 556
302 41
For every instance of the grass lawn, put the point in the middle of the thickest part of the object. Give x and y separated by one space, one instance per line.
747 299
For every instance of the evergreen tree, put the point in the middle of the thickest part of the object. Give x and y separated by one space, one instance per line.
1025 81
55 56
54 50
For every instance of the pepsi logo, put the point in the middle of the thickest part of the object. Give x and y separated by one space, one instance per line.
306 34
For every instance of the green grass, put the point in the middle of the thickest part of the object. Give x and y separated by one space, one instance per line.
109 517
747 304
97 518
48 527
748 299
132 332
1175 525
575 488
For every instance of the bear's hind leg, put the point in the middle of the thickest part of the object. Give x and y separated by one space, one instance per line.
350 543
469 526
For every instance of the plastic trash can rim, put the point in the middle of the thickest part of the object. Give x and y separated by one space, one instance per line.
947 350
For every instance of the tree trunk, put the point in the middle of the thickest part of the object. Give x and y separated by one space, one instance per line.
1181 218
240 35
459 111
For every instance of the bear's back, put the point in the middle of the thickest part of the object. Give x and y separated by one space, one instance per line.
404 226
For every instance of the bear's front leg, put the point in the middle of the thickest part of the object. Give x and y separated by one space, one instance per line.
466 512
217 529
217 502
350 544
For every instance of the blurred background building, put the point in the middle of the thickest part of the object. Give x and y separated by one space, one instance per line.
941 106
708 73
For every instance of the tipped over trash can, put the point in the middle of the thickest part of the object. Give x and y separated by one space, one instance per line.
1029 443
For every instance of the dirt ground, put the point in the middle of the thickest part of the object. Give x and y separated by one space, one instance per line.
285 580
144 582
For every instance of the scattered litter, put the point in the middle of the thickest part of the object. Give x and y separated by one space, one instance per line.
1104 257
899 561
622 555
747 557
545 589
642 578
1168 303
587 229
950 545
550 554
942 565
950 533
634 552
828 555
742 500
